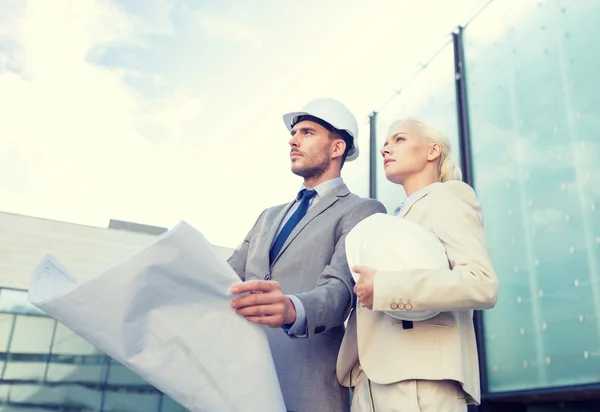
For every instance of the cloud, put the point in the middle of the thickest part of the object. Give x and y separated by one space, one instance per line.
165 119
508 156
157 112
71 128
229 29
543 218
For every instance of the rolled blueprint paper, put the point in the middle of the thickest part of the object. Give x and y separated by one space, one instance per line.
389 243
165 313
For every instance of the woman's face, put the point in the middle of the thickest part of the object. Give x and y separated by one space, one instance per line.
405 152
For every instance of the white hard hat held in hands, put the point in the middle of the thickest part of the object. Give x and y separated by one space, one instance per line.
332 112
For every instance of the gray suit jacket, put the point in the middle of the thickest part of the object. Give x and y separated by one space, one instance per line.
312 266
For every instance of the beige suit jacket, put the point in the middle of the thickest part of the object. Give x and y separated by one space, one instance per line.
442 347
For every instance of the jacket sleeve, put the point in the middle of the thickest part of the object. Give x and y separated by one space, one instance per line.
328 305
238 259
470 281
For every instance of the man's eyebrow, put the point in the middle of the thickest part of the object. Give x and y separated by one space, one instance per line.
304 130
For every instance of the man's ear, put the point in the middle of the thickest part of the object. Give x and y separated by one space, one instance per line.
337 148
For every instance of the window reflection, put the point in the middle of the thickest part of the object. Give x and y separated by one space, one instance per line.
42 350
131 402
32 334
24 371
68 342
535 150
6 324
66 395
15 301
169 405
58 372
121 375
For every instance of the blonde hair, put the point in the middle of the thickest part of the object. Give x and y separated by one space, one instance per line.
448 168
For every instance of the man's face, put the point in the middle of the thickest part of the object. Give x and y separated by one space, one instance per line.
310 149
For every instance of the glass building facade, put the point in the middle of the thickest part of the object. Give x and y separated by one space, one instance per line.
534 123
44 366
517 91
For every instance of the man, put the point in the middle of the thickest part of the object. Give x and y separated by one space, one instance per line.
293 260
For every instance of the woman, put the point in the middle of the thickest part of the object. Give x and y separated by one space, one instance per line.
429 364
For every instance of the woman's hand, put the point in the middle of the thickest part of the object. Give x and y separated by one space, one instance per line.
365 284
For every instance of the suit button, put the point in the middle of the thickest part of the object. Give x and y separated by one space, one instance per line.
408 306
401 306
268 276
394 306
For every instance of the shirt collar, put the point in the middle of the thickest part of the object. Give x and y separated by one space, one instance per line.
408 199
323 188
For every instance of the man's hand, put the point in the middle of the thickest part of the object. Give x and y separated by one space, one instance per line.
266 304
364 286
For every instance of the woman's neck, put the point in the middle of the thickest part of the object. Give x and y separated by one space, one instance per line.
414 183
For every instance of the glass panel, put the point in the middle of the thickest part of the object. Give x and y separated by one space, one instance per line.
59 372
32 334
68 343
68 396
121 375
15 301
431 96
169 405
4 393
533 99
6 322
25 370
131 402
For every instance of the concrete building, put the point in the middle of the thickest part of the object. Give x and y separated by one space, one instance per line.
43 365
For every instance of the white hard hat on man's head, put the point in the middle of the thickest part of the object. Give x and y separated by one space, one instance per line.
333 113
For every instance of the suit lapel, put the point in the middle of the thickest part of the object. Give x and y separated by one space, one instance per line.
418 196
270 237
322 205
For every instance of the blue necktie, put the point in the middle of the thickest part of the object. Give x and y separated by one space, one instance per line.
291 223
399 209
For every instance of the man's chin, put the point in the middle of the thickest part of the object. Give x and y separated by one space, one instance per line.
307 172
298 170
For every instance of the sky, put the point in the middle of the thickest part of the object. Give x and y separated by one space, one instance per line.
160 111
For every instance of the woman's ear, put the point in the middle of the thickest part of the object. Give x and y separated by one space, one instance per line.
435 151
